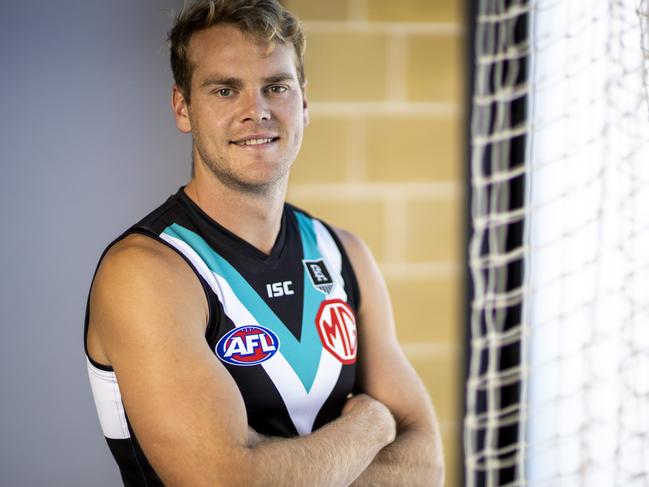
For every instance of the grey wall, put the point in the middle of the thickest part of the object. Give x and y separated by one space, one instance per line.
87 145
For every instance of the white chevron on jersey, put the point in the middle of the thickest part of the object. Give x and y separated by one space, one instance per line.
302 406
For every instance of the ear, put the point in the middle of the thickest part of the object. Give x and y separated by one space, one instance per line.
181 110
305 105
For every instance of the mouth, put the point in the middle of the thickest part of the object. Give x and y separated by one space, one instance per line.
255 141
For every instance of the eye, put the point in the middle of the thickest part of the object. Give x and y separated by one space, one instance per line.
277 89
224 92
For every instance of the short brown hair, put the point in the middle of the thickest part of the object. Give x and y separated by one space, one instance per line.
267 20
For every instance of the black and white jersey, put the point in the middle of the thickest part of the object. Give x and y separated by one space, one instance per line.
282 324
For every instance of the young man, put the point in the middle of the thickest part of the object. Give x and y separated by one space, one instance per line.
227 331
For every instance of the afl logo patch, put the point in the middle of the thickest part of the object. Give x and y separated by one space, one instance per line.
247 345
337 329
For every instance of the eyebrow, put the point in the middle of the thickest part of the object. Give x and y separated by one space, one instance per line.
222 81
238 83
280 77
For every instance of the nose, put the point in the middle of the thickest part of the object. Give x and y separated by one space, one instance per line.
255 107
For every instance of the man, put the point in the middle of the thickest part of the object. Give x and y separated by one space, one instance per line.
227 330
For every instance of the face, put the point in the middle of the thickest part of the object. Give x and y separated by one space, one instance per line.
247 111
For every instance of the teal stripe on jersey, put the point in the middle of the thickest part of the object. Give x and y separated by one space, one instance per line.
304 355
312 297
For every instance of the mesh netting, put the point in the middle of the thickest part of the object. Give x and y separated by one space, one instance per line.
558 387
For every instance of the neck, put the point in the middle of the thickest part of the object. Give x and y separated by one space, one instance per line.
254 217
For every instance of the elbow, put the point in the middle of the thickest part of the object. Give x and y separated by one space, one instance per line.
437 470
237 469
433 458
430 473
248 466
438 476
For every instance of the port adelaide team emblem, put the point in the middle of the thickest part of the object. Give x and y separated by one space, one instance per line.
247 345
319 274
337 328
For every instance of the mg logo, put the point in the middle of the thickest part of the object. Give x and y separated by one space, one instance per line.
337 328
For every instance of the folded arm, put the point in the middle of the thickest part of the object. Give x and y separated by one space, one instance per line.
415 457
148 316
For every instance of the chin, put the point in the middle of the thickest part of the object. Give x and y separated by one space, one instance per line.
260 181
254 175
265 172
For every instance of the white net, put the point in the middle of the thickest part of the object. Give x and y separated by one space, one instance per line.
558 387
499 161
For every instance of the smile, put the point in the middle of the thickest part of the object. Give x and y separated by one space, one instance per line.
261 141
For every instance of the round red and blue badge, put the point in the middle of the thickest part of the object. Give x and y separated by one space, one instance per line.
247 345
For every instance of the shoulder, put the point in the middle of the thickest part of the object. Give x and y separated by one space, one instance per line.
370 281
136 259
350 240
143 287
357 250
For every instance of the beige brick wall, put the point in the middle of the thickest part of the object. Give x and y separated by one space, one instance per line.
382 158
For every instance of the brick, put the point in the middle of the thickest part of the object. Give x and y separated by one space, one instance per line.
413 149
323 157
346 66
310 10
414 10
426 310
364 217
433 68
434 229
441 374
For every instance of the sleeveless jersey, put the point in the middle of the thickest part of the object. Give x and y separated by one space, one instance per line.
282 324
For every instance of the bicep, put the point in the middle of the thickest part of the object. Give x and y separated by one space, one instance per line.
183 405
384 370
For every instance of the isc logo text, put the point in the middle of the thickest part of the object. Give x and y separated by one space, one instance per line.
277 289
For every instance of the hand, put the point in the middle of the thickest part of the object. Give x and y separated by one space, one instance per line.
379 416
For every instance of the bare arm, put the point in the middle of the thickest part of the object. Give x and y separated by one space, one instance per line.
415 458
149 313
333 455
